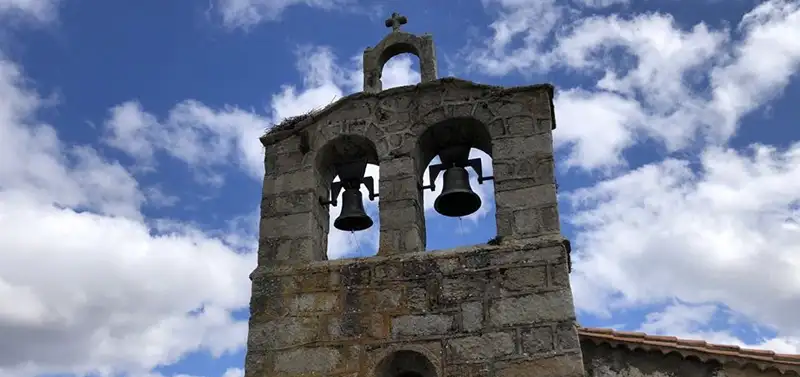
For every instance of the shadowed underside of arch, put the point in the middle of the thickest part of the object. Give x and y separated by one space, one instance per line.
405 364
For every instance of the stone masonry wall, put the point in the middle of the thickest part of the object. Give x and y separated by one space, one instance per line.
497 311
402 129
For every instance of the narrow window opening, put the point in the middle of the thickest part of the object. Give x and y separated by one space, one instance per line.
443 232
343 244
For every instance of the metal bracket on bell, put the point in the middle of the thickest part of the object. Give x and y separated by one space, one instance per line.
370 183
434 170
336 187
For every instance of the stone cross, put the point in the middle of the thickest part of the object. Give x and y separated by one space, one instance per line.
395 21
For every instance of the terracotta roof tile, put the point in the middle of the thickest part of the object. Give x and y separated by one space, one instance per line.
720 352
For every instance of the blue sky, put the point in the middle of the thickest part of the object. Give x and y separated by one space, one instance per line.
130 169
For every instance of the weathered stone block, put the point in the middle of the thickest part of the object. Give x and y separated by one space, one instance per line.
520 125
313 281
302 180
421 325
520 173
387 272
398 167
283 332
534 308
524 278
528 197
288 250
522 147
386 299
315 302
288 203
471 316
550 219
505 222
469 370
289 161
294 225
417 300
526 256
530 222
480 348
476 260
399 214
308 360
413 239
354 325
559 275
448 266
543 124
465 287
557 366
537 340
399 188
567 337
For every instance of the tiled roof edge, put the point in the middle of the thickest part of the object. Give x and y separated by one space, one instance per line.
724 354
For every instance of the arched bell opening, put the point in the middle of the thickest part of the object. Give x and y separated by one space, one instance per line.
400 70
396 62
348 188
454 158
405 364
478 224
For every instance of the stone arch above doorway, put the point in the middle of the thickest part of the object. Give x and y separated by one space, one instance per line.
405 363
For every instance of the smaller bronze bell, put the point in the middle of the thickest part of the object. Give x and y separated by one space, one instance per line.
457 198
353 218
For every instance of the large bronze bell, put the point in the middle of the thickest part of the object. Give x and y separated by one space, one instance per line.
353 217
457 198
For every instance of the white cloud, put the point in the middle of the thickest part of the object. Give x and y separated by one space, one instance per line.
38 10
648 74
692 322
202 137
601 3
86 286
248 13
725 232
234 372
762 65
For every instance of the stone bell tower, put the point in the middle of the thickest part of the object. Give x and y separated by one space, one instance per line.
499 309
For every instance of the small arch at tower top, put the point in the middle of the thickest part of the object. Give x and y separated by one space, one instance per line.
395 43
